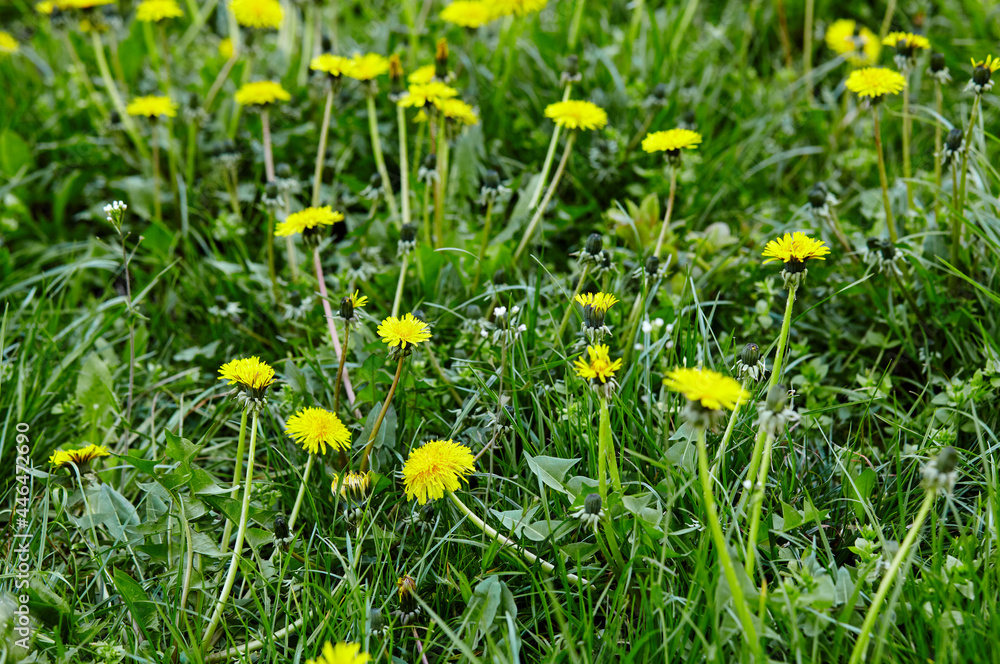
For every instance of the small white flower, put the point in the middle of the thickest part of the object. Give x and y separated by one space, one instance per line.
500 312
514 310
647 327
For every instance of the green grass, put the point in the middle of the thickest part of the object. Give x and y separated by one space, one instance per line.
887 371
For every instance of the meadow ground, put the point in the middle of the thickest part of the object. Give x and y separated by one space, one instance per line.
499 331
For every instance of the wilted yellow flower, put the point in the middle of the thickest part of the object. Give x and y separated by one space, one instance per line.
258 13
315 428
468 13
709 389
261 93
575 114
334 65
671 140
342 653
858 44
358 301
458 110
795 248
8 45
438 466
152 107
599 301
307 219
600 366
401 331
152 11
875 82
420 94
990 63
367 67
355 484
81 456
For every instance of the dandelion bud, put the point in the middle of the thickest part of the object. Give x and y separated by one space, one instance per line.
441 60
873 244
407 588
283 171
347 308
592 503
491 179
947 459
499 277
605 265
937 62
652 266
355 260
749 363
939 473
408 233
420 315
954 140
271 190
817 195
473 312
591 512
593 317
430 162
571 73
777 398
750 354
376 621
595 244
981 75
280 527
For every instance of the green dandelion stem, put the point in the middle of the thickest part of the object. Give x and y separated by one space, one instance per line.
340 368
331 328
227 588
500 539
572 306
302 491
265 122
757 502
293 261
487 222
80 73
398 299
720 455
897 562
116 99
390 198
404 165
381 415
883 179
154 54
739 603
549 157
192 150
270 254
237 472
779 358
533 224
669 213
606 449
807 48
155 145
441 186
967 145
321 151
938 144
425 214
907 168
220 79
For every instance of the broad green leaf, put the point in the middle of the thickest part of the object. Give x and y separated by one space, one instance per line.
551 470
139 605
179 449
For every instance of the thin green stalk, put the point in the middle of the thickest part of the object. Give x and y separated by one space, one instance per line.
739 603
938 144
192 149
606 448
574 25
227 588
331 328
237 472
483 244
116 99
302 491
757 502
404 164
155 144
441 186
500 539
533 224
321 151
779 358
883 179
381 415
807 48
340 369
571 307
390 198
907 169
669 213
897 562
398 299
960 208
720 455
549 157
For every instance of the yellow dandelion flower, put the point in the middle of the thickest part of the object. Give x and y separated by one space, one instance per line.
153 11
334 65
671 140
599 301
438 466
152 107
859 45
45 7
315 428
66 5
342 653
355 484
710 389
248 372
79 457
600 365
8 45
261 93
875 82
226 48
458 110
367 67
401 331
420 94
307 219
795 248
359 301
258 13
519 7
990 63
576 114
421 75
468 13
906 40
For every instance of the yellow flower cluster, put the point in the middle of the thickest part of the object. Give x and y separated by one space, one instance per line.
402 331
438 466
307 219
875 82
81 456
315 428
599 301
152 107
600 366
366 67
8 45
858 44
468 13
248 372
710 389
261 93
153 11
334 65
906 39
342 653
576 114
671 140
258 13
795 248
